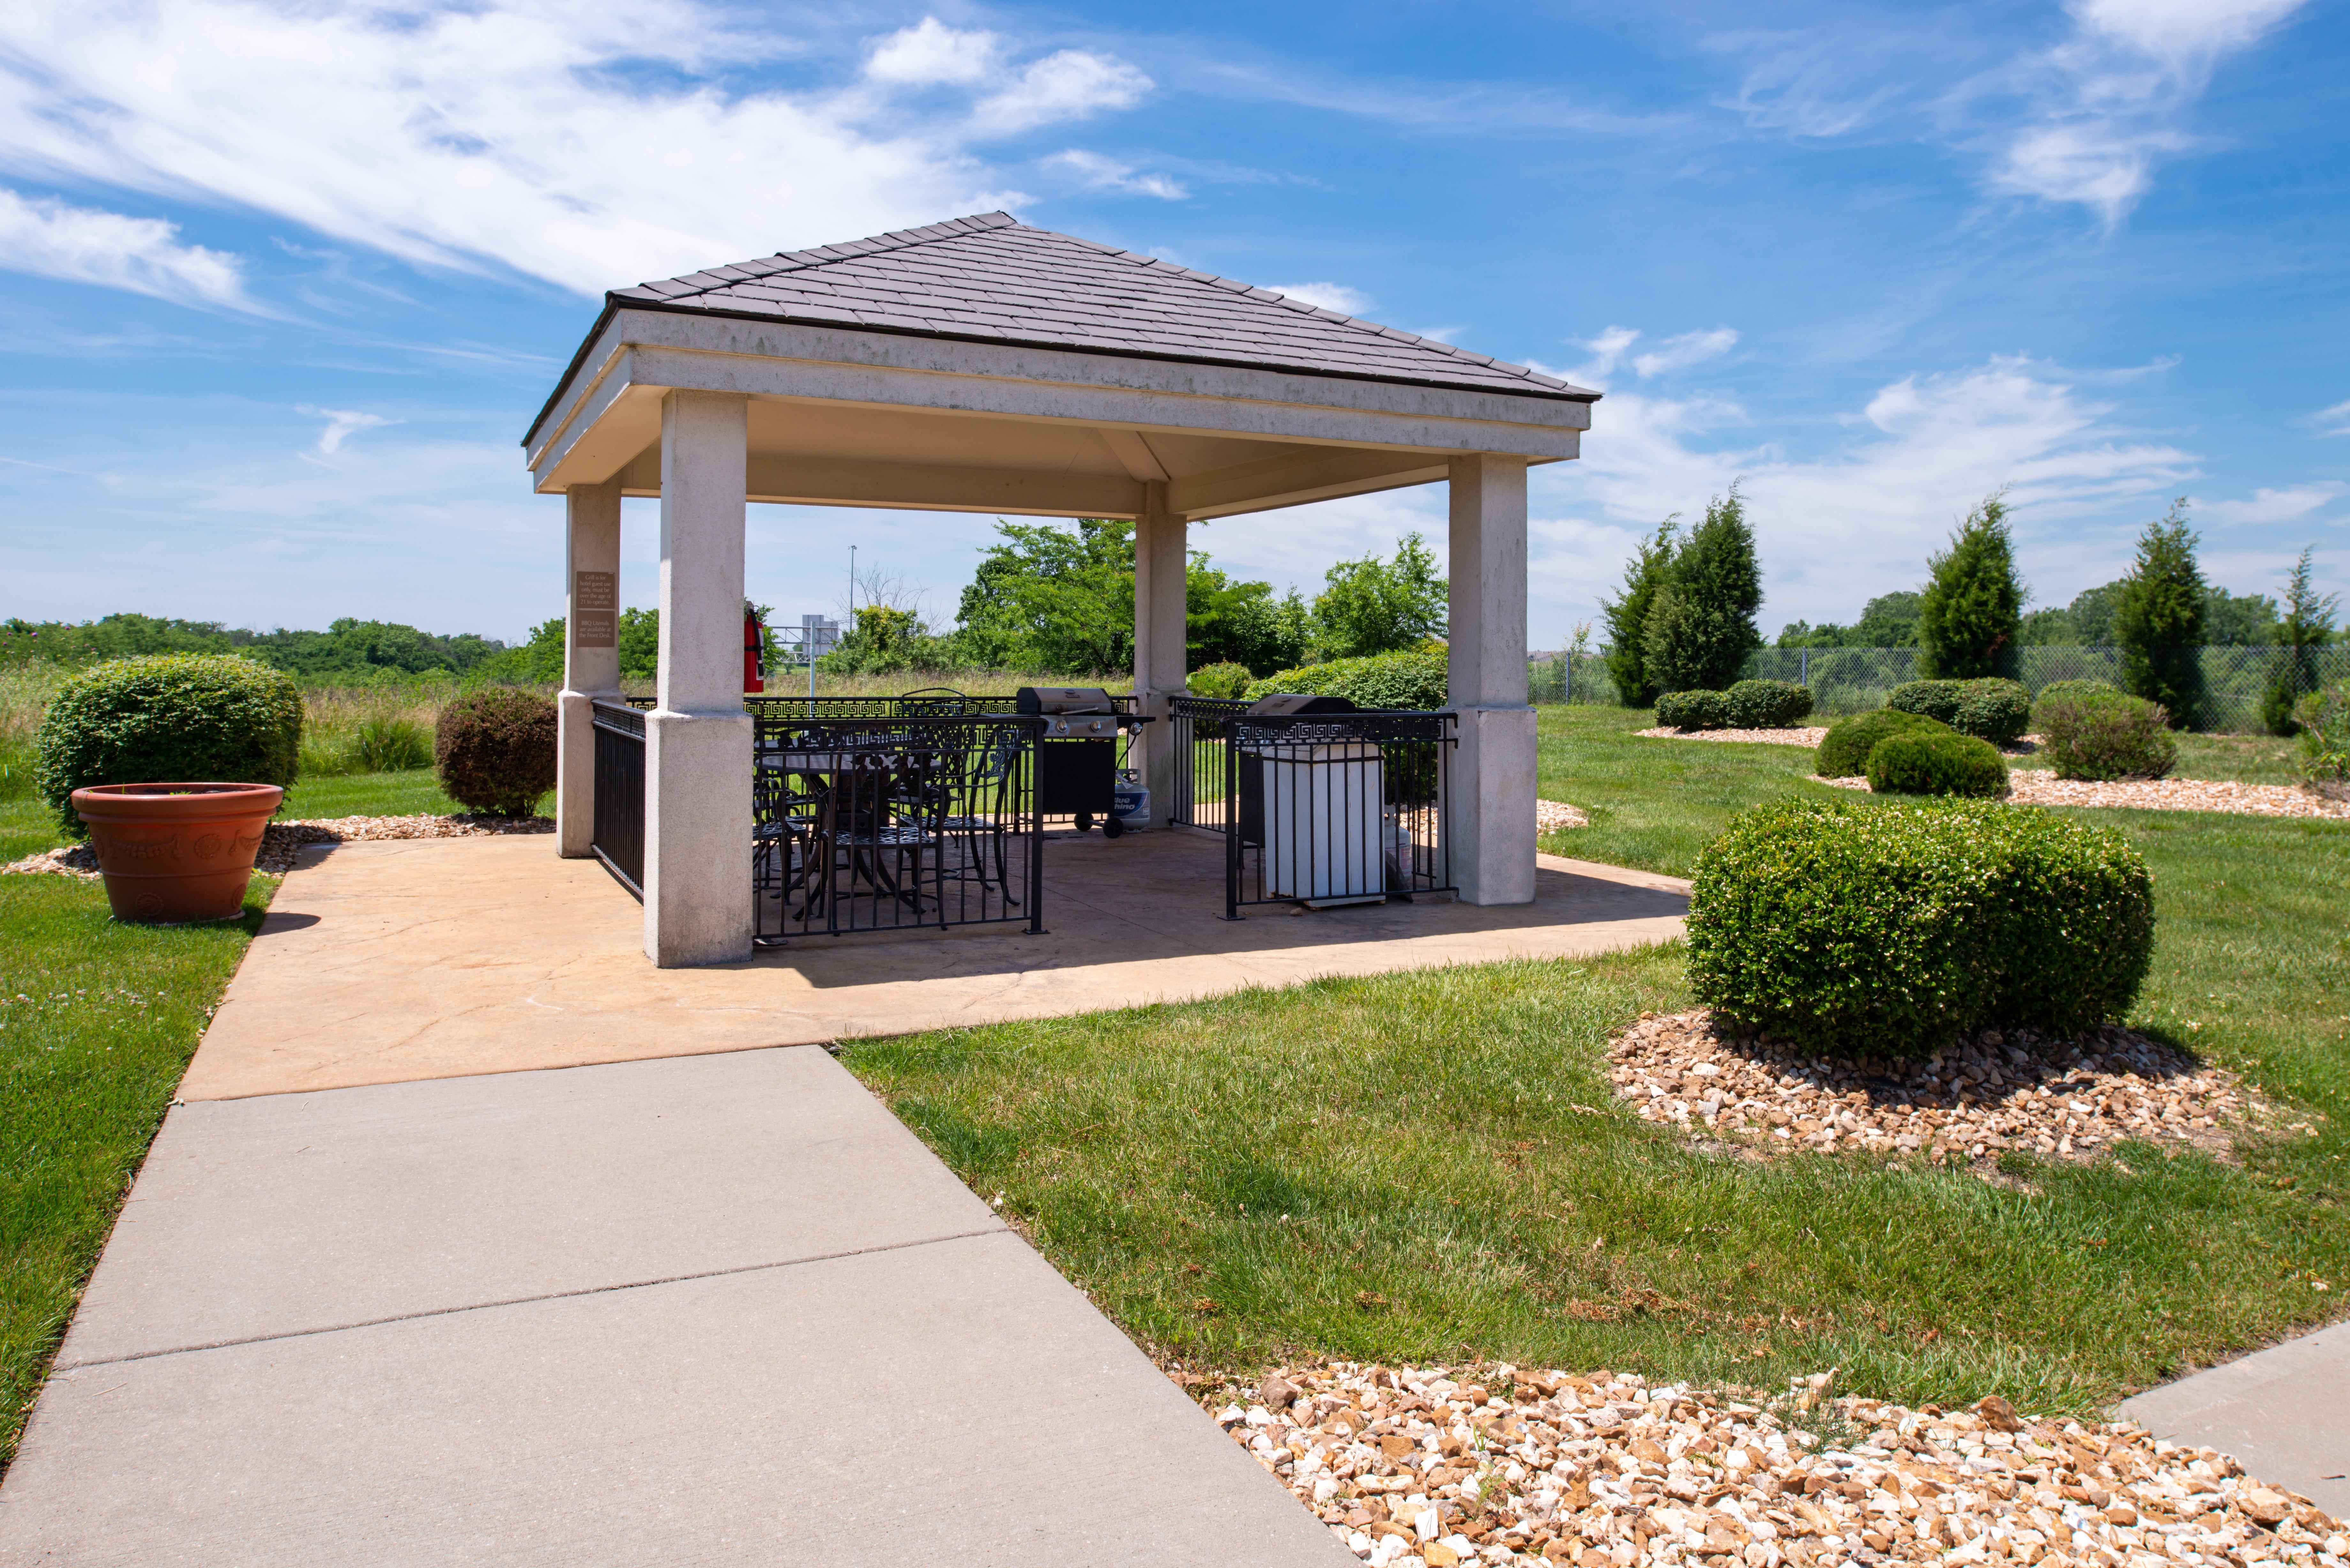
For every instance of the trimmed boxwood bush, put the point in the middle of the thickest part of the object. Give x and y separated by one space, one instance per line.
1930 762
1863 928
2107 735
186 717
1844 753
1226 680
2063 690
1693 711
1997 710
1413 679
1765 704
495 750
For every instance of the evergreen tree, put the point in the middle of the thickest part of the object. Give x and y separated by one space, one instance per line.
2307 626
1701 626
1973 610
1650 568
2159 617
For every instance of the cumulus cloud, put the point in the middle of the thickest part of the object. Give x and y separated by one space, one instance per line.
1334 297
529 133
144 255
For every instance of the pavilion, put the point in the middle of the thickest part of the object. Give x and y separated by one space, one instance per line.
980 365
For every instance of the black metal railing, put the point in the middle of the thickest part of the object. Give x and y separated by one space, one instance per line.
1199 728
1336 808
892 819
618 838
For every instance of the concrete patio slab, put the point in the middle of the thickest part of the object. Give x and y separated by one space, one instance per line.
2282 1412
387 962
953 1402
292 1213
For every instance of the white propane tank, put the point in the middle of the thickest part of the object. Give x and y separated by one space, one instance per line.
1129 802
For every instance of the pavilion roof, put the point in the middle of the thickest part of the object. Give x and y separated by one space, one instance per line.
992 278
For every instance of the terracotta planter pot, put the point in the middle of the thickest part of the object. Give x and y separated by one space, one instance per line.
174 852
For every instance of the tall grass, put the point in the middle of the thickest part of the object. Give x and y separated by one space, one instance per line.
24 693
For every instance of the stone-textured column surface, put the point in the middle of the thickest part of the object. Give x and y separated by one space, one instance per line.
697 883
1492 808
591 653
1161 643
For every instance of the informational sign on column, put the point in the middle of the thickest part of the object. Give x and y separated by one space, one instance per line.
594 610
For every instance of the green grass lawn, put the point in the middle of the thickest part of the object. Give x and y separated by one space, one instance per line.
1429 1165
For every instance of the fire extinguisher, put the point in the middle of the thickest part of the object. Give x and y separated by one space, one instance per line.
755 653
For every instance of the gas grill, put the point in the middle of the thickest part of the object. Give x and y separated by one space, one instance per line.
1077 757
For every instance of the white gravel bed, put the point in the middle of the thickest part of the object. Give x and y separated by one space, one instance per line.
1434 1467
2069 1099
1795 735
281 842
2038 786
1553 814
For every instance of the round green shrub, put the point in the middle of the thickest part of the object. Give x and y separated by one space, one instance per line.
1931 763
1866 929
2106 735
1226 680
188 717
1935 700
1844 751
1993 709
2064 690
1766 705
1693 711
495 750
1413 681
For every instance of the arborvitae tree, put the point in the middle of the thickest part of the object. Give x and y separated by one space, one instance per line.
1701 626
2158 618
2307 626
1973 610
1650 568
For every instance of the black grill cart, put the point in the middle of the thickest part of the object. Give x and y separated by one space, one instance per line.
1076 754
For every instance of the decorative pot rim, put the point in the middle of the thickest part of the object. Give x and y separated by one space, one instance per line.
162 790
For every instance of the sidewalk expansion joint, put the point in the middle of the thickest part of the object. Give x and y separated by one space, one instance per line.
999 1229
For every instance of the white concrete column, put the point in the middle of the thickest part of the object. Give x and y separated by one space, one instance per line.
1161 639
697 882
1492 808
591 654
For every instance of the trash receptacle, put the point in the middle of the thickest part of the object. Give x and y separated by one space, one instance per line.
1325 821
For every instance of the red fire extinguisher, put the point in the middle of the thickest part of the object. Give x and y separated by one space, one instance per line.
755 653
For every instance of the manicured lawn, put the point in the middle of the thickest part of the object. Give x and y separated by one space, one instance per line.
414 793
1428 1165
96 1023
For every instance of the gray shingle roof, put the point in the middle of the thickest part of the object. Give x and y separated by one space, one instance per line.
992 278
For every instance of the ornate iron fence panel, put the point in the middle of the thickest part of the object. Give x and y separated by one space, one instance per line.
1199 728
619 835
876 822
1336 808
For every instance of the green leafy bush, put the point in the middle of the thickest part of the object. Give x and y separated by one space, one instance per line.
496 750
1765 704
1693 711
189 717
1226 680
1993 709
1862 929
2106 735
2324 719
1414 679
1931 763
1935 700
2066 690
1844 751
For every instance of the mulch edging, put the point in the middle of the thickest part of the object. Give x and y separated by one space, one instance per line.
283 842
1431 1468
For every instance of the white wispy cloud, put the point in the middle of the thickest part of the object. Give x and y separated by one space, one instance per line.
144 255
343 423
2266 505
2333 421
1681 352
1097 173
525 132
1334 297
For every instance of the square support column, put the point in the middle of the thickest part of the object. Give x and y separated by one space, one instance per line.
1161 639
697 881
591 654
1493 803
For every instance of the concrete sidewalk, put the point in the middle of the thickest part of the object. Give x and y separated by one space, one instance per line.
2280 1411
715 1309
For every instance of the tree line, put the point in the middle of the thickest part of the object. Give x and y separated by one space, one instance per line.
1685 619
348 646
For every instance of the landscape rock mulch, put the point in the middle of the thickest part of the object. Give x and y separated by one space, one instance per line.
1431 1468
2069 1099
281 842
1553 814
2038 786
1793 735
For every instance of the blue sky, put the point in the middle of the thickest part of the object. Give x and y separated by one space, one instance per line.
285 283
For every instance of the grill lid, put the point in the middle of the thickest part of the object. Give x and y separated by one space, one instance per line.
1064 699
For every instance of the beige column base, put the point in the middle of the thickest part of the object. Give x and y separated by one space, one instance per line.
1491 814
697 838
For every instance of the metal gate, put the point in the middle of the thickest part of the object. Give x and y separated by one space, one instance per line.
618 838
